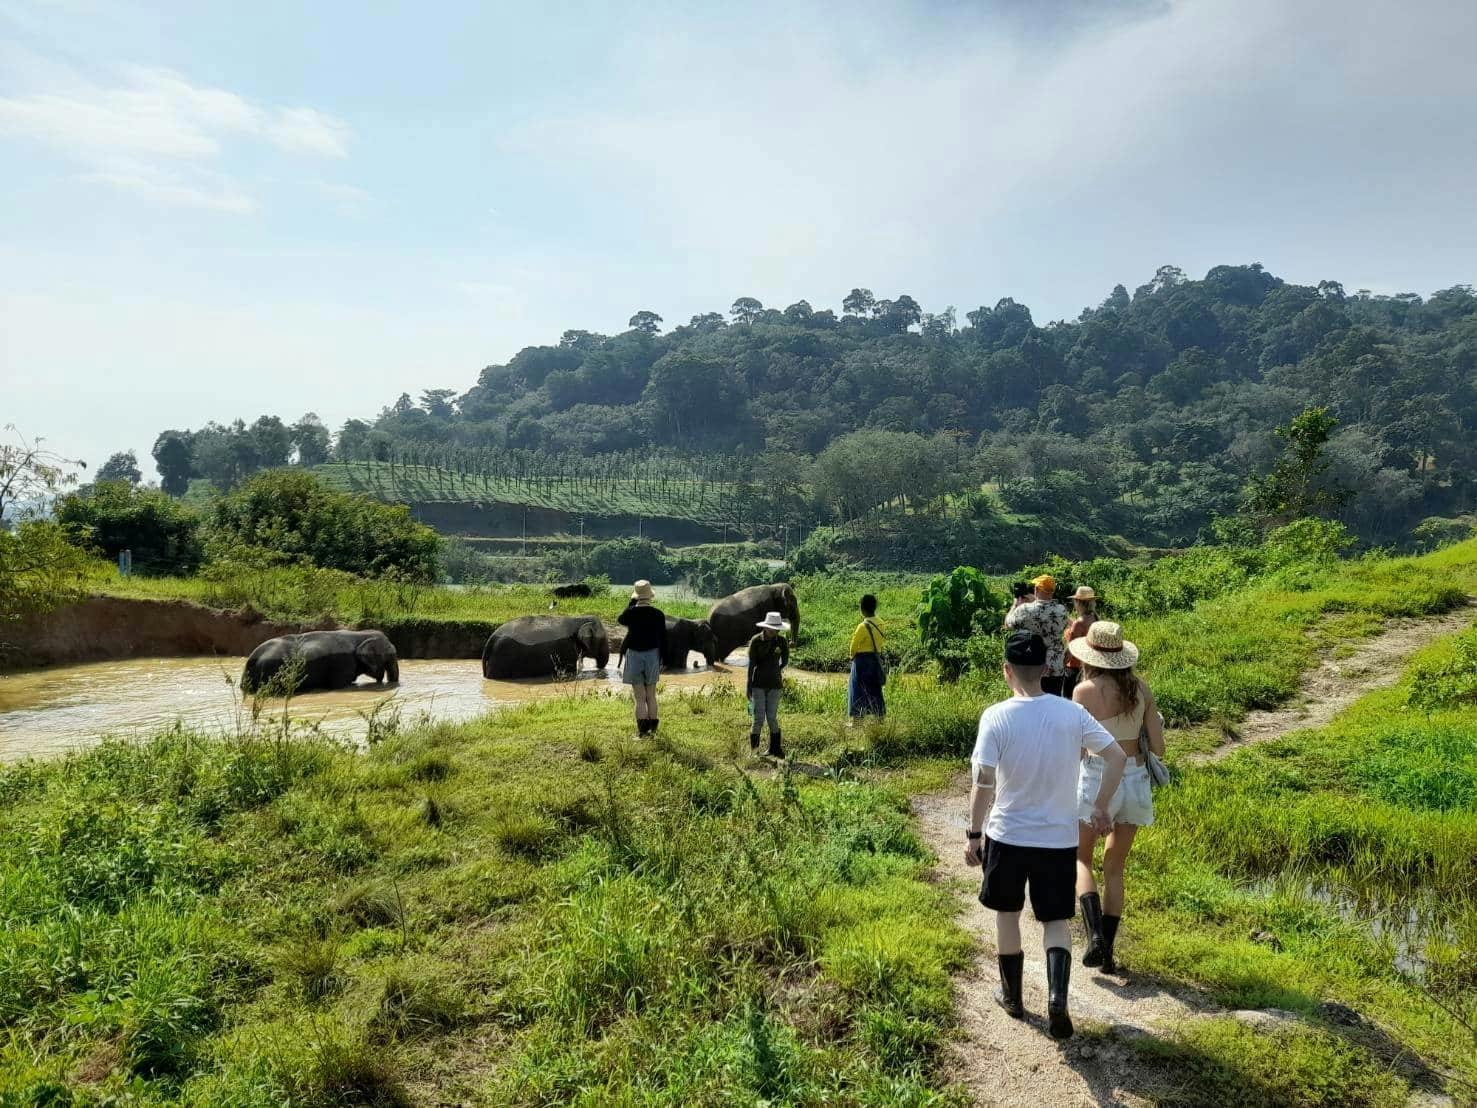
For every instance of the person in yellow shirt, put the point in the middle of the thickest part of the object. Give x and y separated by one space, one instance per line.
864 690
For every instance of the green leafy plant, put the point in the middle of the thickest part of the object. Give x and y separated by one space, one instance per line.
956 608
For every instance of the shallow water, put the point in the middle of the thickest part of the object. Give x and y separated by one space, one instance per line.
46 712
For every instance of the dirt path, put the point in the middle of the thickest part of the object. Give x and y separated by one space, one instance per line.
1335 684
1008 1062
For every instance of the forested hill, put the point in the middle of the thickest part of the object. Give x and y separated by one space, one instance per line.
1157 404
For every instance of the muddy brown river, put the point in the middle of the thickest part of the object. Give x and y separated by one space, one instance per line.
46 712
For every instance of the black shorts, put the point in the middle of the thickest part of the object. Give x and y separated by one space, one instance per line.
1050 871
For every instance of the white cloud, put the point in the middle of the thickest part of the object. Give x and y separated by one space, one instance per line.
348 200
150 130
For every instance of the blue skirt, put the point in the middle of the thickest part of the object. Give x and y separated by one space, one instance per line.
864 690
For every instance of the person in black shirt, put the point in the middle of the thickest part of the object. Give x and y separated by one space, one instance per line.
769 654
646 642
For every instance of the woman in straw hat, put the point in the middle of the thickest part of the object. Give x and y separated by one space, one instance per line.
769 654
1119 700
1084 615
646 642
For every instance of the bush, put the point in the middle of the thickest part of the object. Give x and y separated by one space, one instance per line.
298 519
113 516
39 569
957 608
625 560
719 575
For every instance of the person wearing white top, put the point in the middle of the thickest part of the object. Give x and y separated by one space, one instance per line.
1025 766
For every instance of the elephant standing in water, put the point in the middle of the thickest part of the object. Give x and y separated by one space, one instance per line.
685 636
329 660
542 646
733 618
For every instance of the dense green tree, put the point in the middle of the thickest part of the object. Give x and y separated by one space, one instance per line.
122 466
647 322
174 458
745 309
310 440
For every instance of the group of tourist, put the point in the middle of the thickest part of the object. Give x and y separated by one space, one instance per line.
1060 763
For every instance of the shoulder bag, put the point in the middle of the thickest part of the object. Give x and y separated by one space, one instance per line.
1158 771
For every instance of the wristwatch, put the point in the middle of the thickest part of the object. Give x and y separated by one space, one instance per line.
972 835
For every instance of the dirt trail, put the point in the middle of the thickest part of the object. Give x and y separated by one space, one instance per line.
1008 1062
1335 684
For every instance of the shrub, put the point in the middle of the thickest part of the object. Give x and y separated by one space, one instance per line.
957 608
298 519
113 516
625 560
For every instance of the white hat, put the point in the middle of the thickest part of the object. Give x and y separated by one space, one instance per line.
773 621
1104 647
642 591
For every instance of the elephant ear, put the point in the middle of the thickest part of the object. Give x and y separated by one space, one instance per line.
588 635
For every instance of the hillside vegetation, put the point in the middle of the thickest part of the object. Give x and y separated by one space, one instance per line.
1145 417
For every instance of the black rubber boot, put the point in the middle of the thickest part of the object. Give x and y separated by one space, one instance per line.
1008 996
775 749
754 741
643 728
654 724
1058 974
1110 935
1092 916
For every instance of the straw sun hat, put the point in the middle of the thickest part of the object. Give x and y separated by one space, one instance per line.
1104 647
642 590
773 621
1084 592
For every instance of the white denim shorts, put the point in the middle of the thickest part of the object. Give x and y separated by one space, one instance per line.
1133 802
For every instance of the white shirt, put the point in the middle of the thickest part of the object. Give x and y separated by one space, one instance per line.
1035 745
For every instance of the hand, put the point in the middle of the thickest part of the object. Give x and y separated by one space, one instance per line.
1102 823
974 852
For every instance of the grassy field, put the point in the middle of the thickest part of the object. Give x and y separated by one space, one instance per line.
678 499
533 908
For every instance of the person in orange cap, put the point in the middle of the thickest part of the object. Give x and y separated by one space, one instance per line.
1045 617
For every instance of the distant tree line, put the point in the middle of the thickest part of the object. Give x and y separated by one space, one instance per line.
1146 416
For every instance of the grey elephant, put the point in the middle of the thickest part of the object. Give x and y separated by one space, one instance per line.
329 660
685 636
733 618
542 646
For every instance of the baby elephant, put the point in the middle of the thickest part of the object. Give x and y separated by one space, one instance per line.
328 659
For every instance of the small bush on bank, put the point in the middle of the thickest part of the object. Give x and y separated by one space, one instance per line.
111 516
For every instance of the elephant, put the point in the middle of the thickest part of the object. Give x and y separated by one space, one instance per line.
330 659
733 618
579 588
542 646
686 635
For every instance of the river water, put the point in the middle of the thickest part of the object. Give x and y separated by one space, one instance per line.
47 712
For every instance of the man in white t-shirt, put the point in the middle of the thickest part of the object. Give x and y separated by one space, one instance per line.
1025 765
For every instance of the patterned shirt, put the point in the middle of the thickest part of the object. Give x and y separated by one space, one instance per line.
1049 620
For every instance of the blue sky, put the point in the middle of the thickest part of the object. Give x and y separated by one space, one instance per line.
211 210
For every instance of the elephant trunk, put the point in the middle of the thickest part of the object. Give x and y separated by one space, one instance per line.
248 679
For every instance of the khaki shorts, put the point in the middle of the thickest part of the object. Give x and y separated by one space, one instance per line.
1133 802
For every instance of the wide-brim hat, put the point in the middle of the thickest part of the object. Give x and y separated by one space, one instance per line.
1084 592
1104 647
642 590
773 621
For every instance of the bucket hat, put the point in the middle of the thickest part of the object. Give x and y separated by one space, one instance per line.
642 591
773 621
1104 647
1045 583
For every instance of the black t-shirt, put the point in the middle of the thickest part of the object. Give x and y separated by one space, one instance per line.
646 628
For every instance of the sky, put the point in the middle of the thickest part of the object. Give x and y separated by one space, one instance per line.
212 210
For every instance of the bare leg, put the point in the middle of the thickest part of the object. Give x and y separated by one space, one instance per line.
1007 932
1086 840
1056 933
1115 858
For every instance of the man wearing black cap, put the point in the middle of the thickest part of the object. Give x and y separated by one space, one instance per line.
1025 766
